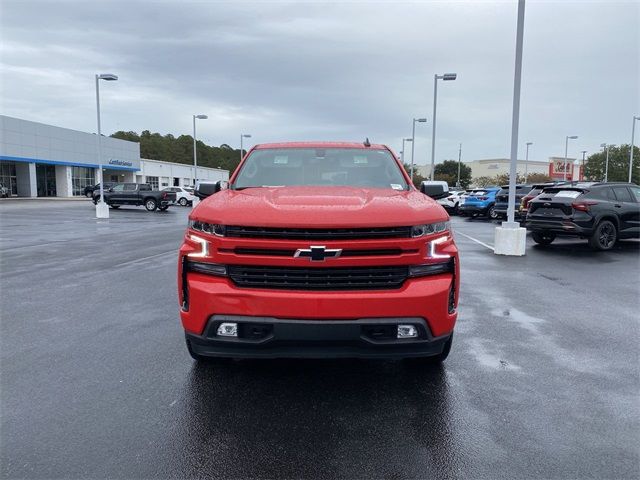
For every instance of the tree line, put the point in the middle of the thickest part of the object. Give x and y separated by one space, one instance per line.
168 148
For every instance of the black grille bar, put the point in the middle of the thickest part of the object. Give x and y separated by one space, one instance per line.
269 252
341 278
318 234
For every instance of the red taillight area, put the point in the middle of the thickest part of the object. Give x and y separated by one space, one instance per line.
583 206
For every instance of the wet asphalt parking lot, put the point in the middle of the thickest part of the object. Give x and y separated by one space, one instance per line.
543 380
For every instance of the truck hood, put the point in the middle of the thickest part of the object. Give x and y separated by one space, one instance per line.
320 207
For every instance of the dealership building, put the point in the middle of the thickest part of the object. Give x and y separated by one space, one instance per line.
39 160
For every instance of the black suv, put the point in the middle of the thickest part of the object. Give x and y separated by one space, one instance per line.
502 200
600 212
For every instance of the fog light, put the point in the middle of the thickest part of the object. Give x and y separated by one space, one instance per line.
228 330
407 331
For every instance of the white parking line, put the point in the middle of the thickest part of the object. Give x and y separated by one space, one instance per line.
476 240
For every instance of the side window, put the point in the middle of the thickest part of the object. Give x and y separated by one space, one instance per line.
118 188
636 193
622 193
128 187
144 187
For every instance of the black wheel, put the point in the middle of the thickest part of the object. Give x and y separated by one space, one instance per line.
114 206
543 238
456 209
434 359
491 213
89 194
604 236
150 204
183 202
162 209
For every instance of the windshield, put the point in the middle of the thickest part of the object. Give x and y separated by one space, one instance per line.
321 167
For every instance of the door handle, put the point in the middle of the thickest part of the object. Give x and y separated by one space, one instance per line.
617 205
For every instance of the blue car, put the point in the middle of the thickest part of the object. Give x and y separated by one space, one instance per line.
481 201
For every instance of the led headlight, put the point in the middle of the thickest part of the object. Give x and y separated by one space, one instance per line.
429 229
213 228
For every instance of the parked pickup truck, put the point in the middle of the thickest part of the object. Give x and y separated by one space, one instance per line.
136 194
318 250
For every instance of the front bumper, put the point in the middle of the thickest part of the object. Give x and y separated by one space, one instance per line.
265 337
422 297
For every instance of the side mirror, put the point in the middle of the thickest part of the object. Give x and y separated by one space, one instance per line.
434 190
204 190
110 189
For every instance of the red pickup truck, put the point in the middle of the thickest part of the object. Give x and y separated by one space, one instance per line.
318 250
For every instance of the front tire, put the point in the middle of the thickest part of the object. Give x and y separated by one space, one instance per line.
604 236
543 238
150 204
89 194
183 202
491 213
115 206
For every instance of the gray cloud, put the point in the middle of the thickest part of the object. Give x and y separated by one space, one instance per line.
329 70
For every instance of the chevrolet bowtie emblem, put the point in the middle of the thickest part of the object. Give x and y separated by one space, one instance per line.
318 253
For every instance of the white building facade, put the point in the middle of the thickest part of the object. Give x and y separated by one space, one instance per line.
496 166
39 160
167 174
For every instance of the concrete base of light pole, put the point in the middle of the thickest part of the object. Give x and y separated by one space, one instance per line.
102 210
195 202
510 239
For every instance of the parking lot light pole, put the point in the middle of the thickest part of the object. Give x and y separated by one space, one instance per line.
633 131
402 152
606 162
243 135
195 152
436 77
581 171
413 140
510 237
526 162
102 209
566 147
459 159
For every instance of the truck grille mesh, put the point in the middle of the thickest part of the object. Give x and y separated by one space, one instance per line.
318 234
296 278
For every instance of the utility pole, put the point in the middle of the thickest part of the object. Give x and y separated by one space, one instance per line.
459 159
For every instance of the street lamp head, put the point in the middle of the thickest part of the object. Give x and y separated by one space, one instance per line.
529 143
572 137
449 76
246 135
635 117
107 76
200 117
408 139
603 145
420 120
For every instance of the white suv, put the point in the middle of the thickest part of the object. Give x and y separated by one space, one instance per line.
453 202
184 196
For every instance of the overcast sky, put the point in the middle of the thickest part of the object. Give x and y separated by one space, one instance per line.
329 71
